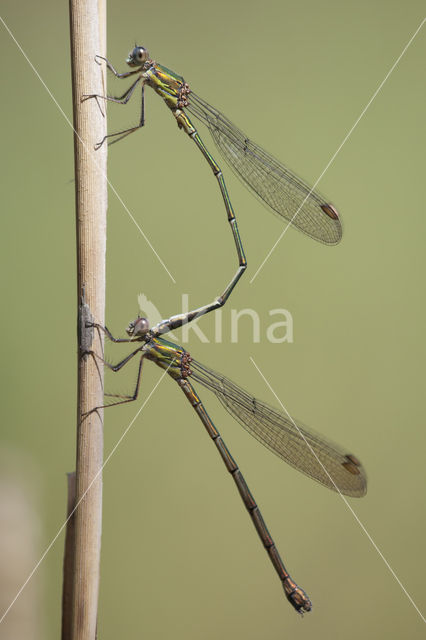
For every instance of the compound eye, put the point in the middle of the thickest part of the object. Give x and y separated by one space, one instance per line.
138 327
137 57
140 54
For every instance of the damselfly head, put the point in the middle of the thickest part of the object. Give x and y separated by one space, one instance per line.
137 57
138 327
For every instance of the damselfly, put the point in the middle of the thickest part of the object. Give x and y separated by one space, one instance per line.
305 450
278 187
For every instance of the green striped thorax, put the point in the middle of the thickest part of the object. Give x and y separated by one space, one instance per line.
167 355
168 84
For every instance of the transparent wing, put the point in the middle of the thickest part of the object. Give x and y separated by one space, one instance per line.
310 453
278 187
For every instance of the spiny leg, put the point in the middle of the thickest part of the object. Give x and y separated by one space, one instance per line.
124 399
121 134
295 595
177 321
126 74
100 328
123 99
108 333
117 367
125 132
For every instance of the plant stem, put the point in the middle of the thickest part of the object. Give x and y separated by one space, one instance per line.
87 24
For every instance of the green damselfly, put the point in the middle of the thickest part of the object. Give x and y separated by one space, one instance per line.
275 185
292 199
310 453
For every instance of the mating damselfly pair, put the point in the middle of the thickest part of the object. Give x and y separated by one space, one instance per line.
305 209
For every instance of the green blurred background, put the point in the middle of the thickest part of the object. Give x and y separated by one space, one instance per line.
179 557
